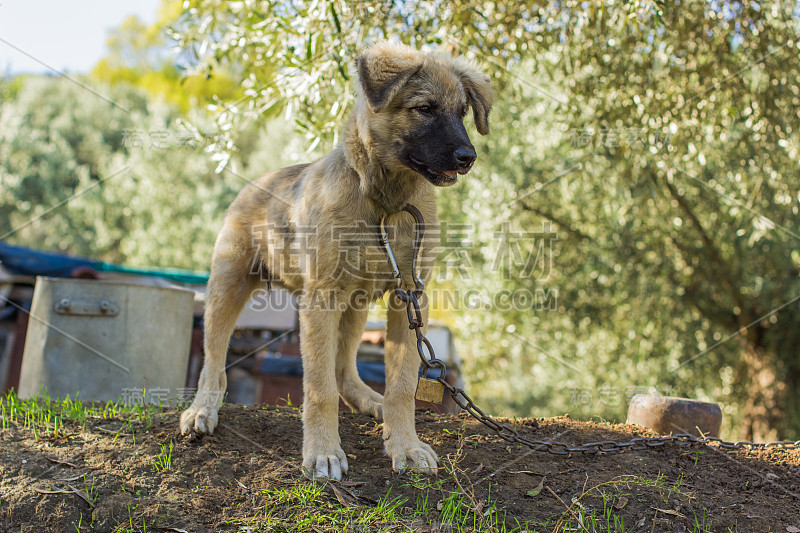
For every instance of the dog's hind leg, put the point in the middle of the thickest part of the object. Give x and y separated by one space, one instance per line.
355 393
229 287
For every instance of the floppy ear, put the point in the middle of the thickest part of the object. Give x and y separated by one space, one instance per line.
384 69
479 92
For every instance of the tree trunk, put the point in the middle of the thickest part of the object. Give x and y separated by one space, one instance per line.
764 413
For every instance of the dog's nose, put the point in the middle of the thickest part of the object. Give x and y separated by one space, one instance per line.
465 156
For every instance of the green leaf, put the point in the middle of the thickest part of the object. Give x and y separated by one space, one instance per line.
535 492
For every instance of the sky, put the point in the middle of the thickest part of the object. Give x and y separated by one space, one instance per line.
65 35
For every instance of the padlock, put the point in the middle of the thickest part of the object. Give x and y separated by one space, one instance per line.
429 390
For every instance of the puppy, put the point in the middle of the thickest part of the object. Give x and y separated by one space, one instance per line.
295 225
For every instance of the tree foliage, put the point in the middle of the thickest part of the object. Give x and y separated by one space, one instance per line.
140 55
113 175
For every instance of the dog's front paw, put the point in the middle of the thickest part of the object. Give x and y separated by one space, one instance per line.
412 455
201 416
331 464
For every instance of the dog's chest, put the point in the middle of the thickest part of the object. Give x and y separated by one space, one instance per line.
346 255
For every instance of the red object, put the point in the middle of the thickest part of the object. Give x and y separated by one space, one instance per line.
15 365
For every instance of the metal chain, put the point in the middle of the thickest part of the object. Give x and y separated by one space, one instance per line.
411 299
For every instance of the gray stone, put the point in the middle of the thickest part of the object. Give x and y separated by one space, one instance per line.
669 416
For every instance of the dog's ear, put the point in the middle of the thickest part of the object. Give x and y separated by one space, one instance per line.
384 69
479 92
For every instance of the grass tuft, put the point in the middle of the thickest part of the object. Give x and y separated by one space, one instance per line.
163 461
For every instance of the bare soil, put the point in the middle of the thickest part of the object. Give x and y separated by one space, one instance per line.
217 479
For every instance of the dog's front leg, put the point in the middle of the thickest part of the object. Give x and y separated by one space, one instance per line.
402 369
319 322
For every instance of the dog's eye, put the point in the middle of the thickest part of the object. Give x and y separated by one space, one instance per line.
425 109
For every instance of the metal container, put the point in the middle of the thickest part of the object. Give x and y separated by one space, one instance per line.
107 341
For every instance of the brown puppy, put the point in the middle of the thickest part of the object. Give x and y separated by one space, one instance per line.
313 228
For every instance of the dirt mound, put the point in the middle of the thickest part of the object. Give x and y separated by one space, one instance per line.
246 477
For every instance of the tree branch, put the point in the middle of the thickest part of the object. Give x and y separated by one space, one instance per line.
727 278
552 218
